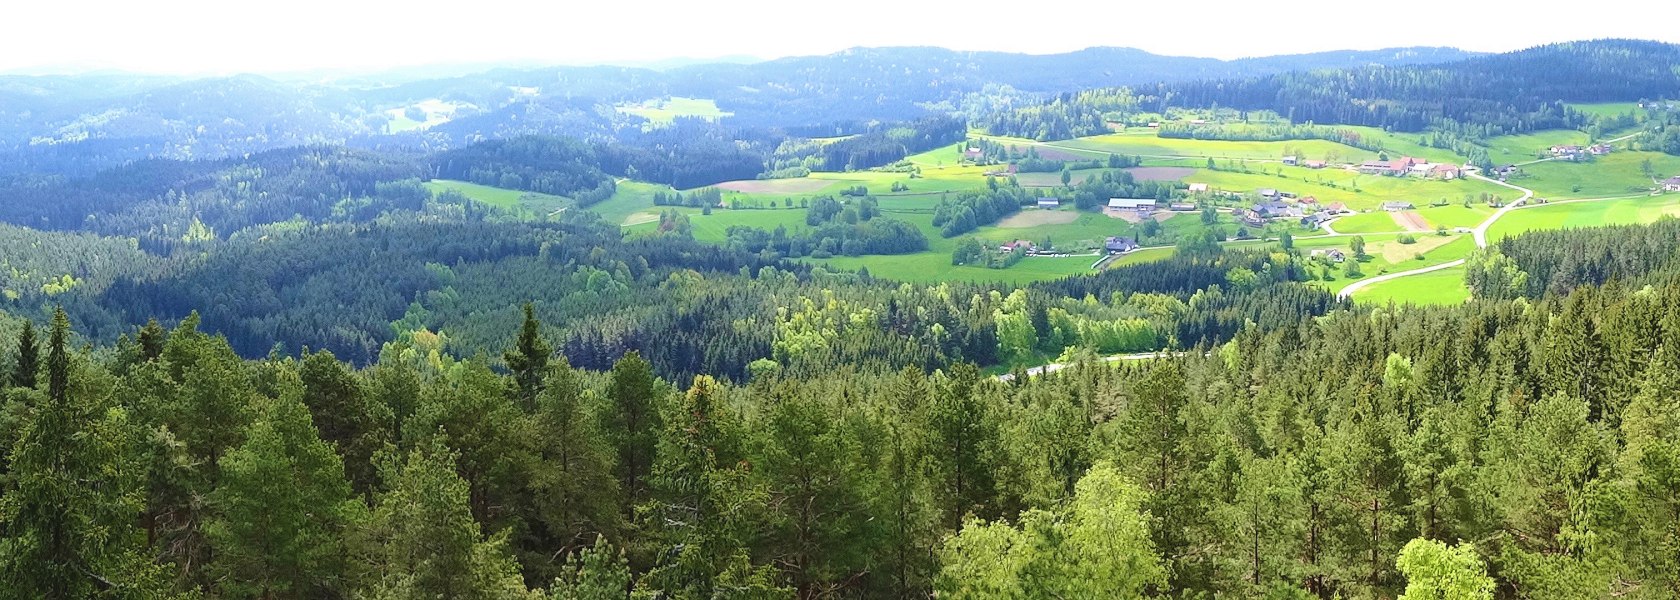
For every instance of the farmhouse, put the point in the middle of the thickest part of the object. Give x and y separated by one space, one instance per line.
1198 187
1026 245
1275 209
1330 254
1316 219
1599 149
1267 193
1444 171
1308 200
1567 150
1292 160
1397 206
972 153
1397 167
1336 208
1049 203
1117 245
1249 217
1672 184
1138 206
1313 164
1181 207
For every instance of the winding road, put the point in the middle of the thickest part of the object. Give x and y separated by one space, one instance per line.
1479 234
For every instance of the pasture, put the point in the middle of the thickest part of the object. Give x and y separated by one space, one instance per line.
1147 144
1585 213
662 111
1445 286
1357 191
631 200
513 200
1618 174
1510 149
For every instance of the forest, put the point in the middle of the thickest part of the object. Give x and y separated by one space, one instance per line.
1514 448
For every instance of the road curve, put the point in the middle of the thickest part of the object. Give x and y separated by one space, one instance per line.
1479 234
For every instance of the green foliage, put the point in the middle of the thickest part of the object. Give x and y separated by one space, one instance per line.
282 510
1435 571
1098 547
421 539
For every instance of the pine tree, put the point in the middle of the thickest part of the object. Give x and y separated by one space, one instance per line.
422 542
28 358
572 484
632 423
597 572
151 339
281 511
528 360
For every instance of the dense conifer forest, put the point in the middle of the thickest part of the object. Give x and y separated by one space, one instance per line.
1317 457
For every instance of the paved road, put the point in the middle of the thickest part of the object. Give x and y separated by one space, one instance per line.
1479 233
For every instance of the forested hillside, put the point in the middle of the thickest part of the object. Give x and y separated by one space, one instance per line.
1534 440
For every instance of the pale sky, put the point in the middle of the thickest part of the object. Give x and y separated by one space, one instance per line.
229 36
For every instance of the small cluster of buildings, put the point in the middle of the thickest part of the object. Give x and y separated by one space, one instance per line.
1295 161
1284 205
1119 245
1671 184
1331 254
1407 166
1573 153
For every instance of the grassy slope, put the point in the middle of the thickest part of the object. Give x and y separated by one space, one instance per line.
1614 175
663 112
1445 286
501 197
1641 209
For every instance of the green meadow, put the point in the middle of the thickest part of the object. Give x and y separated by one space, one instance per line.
1445 286
1511 149
538 204
1586 213
662 111
1357 191
1617 174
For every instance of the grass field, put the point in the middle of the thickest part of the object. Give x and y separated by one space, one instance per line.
662 111
930 268
1445 286
1642 209
1606 109
1368 222
1617 174
534 203
1148 144
1508 149
1358 192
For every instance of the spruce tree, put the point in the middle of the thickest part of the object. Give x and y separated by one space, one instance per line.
74 497
28 358
528 360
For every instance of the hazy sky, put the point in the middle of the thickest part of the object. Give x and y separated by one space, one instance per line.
224 36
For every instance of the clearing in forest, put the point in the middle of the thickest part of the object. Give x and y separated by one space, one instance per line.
1035 218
